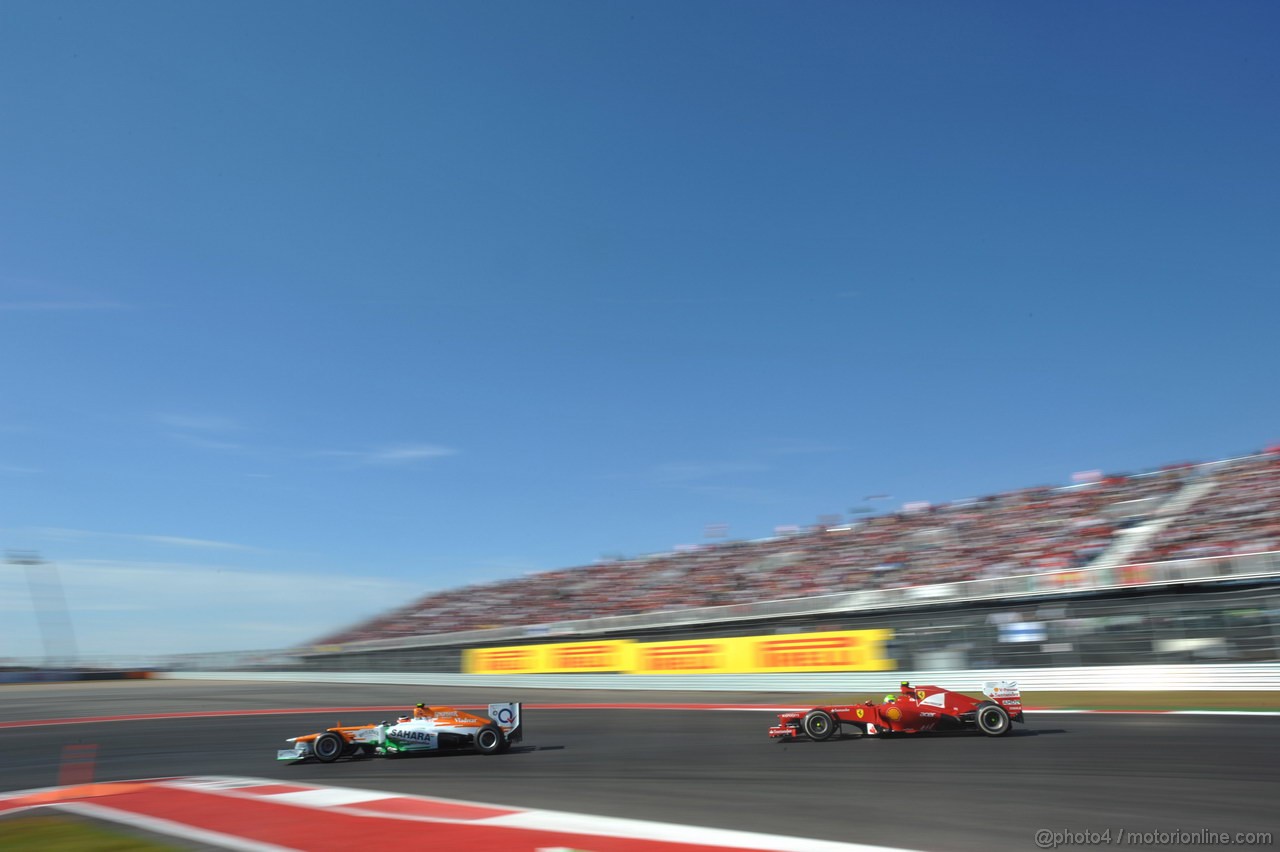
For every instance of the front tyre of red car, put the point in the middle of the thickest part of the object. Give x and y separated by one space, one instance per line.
489 739
992 719
818 725
328 747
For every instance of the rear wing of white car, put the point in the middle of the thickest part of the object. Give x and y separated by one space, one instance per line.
507 717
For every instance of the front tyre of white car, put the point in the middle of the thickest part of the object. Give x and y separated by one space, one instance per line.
328 747
992 719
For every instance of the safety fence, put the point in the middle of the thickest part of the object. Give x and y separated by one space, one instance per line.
1261 676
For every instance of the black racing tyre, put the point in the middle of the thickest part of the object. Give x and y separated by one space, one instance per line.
819 725
992 719
489 740
328 747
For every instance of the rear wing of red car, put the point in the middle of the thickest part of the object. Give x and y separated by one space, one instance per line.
1006 694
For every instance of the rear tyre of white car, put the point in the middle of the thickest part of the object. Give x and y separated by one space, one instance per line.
992 719
818 725
328 747
489 740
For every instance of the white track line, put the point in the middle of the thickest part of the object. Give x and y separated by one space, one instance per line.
325 797
636 829
169 828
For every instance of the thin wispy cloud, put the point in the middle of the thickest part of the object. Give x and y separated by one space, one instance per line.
203 443
800 448
164 540
721 480
202 431
219 433
182 541
18 470
199 422
397 455
36 306
687 472
734 493
30 295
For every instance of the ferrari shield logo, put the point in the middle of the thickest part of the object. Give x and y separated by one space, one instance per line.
920 694
860 713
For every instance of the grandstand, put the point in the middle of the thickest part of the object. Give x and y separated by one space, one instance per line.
1223 508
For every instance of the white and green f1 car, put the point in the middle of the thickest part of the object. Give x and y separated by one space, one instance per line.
429 729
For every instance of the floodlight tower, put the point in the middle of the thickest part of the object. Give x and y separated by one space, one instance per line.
50 605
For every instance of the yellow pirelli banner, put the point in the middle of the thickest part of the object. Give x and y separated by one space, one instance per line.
607 656
833 651
693 656
560 658
836 651
521 659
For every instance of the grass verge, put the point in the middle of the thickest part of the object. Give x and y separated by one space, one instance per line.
65 833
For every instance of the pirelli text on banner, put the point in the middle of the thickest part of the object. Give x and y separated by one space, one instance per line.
837 651
560 658
700 656
613 655
524 659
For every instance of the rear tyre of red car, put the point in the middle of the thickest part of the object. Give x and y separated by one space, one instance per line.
818 725
992 719
489 739
328 747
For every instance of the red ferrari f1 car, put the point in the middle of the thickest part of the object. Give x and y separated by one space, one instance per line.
914 710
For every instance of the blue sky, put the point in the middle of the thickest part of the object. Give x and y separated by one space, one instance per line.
307 307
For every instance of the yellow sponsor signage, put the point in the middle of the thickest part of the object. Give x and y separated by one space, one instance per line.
833 651
607 656
512 660
696 656
560 658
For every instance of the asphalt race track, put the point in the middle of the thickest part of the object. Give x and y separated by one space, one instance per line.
718 768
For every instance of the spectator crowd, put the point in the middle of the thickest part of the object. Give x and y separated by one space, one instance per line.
1033 530
1240 515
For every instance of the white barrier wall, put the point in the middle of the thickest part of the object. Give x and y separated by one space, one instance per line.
1253 676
